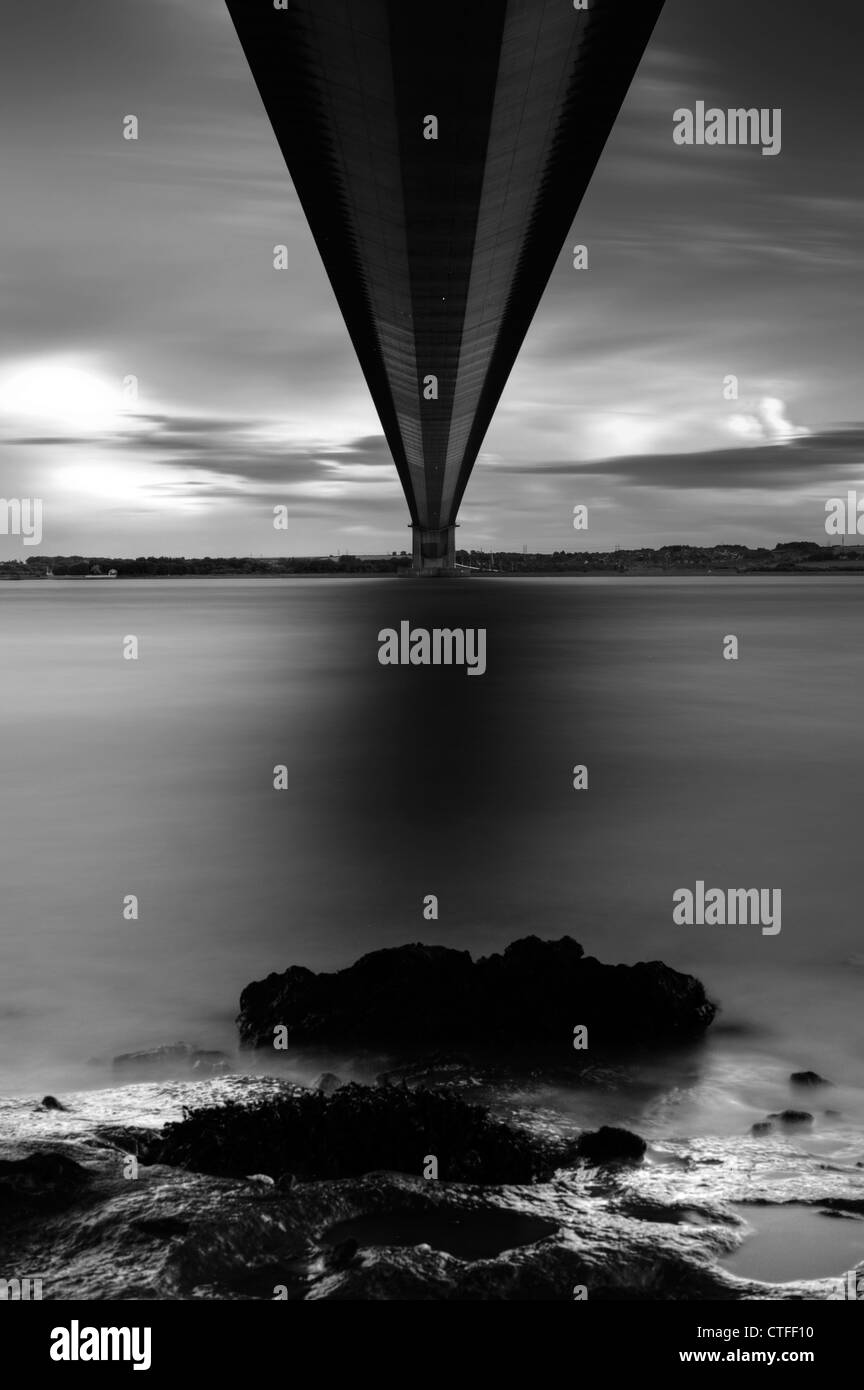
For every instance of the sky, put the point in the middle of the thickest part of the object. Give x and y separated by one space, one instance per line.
153 260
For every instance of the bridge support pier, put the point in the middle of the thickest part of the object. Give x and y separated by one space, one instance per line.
434 551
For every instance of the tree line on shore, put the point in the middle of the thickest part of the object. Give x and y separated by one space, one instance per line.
668 559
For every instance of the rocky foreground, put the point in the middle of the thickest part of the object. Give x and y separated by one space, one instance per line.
240 1187
77 1211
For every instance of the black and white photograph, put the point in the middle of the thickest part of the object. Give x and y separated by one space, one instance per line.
432 640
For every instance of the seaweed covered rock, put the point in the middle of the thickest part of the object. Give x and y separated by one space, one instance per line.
356 1130
532 994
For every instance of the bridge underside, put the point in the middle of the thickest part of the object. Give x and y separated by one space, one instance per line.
438 249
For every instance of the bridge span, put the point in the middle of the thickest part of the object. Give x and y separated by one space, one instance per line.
440 150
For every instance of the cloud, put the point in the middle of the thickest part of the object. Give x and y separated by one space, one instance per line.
774 465
767 421
221 456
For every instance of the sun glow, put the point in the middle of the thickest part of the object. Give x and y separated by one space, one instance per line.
60 394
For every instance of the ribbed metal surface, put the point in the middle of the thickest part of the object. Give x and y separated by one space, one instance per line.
439 251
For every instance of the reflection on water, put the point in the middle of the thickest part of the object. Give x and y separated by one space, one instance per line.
796 1242
155 778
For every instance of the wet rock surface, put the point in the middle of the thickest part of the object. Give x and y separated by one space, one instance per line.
40 1180
657 1229
421 995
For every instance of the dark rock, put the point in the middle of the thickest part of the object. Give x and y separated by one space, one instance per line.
128 1138
490 1075
609 1144
808 1078
155 1058
422 996
340 1256
792 1117
51 1103
431 1069
40 1180
327 1083
762 1127
162 1227
356 1130
173 1059
469 1235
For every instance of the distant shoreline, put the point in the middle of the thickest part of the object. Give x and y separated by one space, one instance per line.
788 557
822 570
